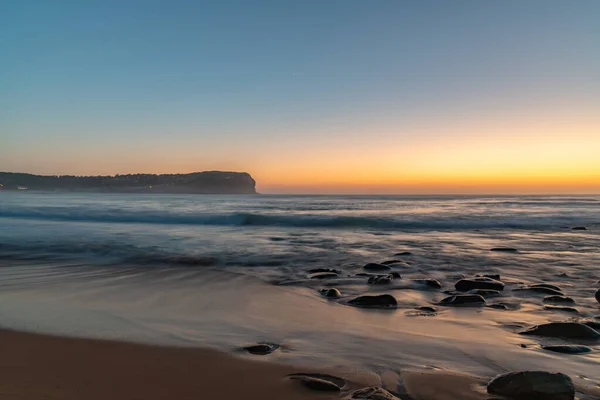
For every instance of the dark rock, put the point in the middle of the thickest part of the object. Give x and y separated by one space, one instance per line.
486 292
597 295
432 283
322 275
395 275
495 277
559 299
568 349
465 285
546 285
463 300
317 270
523 346
499 306
566 330
380 280
403 254
505 249
579 228
541 290
332 293
376 267
592 324
313 382
261 349
533 385
560 308
382 301
427 309
371 393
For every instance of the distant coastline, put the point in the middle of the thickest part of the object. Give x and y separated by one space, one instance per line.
208 182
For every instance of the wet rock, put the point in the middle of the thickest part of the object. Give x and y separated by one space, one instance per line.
592 324
332 293
430 283
546 286
565 330
541 290
579 228
495 277
486 292
463 300
380 280
568 349
322 275
427 309
505 249
403 254
319 382
380 301
559 299
499 306
371 393
261 349
317 270
597 295
533 385
465 285
562 308
376 267
396 275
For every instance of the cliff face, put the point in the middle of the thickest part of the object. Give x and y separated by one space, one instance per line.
211 182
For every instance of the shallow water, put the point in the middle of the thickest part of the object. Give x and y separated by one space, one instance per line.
225 271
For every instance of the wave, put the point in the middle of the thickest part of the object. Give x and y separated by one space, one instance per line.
302 220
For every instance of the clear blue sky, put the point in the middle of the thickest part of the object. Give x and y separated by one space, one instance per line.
302 94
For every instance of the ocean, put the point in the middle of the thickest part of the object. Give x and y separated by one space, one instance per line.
224 271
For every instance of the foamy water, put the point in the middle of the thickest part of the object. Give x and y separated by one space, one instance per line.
225 271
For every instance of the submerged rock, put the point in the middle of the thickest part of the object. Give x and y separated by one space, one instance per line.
463 300
319 382
499 306
322 275
592 324
597 295
561 308
380 301
579 228
568 349
427 309
376 267
371 393
565 330
486 292
332 293
261 349
533 385
495 277
465 285
317 270
559 299
505 249
388 262
403 254
542 290
430 283
380 280
546 286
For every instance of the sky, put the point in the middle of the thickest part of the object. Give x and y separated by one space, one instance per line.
327 96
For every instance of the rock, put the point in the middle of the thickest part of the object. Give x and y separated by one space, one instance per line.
499 306
322 275
427 309
505 249
465 285
316 382
382 301
559 299
533 385
597 295
380 280
261 349
542 290
396 275
332 293
546 285
431 283
403 254
495 277
561 308
565 330
317 270
388 262
486 292
568 349
376 267
579 228
371 393
592 324
463 300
